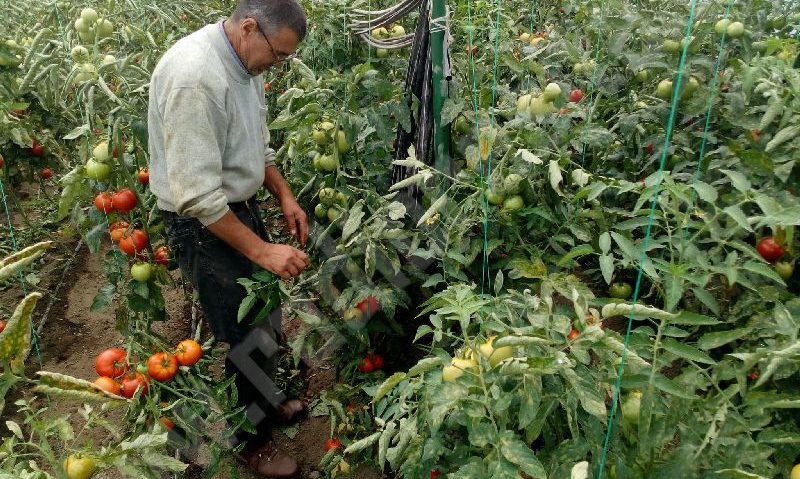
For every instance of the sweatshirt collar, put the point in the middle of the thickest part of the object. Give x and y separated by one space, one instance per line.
233 62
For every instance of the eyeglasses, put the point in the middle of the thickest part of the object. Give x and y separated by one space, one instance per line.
279 57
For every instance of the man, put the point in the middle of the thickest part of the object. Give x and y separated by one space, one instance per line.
209 155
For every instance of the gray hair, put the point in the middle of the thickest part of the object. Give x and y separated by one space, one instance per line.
272 15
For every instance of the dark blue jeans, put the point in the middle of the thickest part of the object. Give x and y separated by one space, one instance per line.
214 268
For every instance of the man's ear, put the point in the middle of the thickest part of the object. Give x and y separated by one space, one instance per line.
248 26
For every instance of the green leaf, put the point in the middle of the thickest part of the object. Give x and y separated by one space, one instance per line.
706 192
689 318
782 137
245 306
353 221
368 441
163 462
518 453
721 338
738 180
434 208
763 270
580 250
144 441
605 242
671 387
390 383
687 352
738 215
76 132
450 110
607 267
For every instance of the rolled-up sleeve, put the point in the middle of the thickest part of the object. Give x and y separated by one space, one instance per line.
194 139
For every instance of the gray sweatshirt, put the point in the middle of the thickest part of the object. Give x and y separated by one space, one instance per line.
209 142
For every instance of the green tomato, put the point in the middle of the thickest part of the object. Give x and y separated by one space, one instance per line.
462 126
664 89
551 92
79 467
341 142
101 153
398 31
97 171
142 272
620 290
104 28
540 107
321 211
642 76
523 104
512 184
334 213
735 29
81 26
79 54
722 26
494 198
328 163
382 53
89 16
785 269
341 199
631 407
672 46
327 196
513 203
319 137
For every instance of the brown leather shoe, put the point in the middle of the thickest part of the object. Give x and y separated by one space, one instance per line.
270 462
290 411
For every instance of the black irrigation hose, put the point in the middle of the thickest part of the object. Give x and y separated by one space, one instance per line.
418 83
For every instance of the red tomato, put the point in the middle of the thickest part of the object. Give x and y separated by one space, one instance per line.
124 200
366 365
143 176
162 366
167 423
131 382
434 472
2 325
161 256
770 250
267 86
188 352
576 95
2 161
352 408
111 362
755 134
333 443
108 385
117 230
18 112
368 306
650 149
377 361
103 203
135 242
46 173
573 334
753 375
37 149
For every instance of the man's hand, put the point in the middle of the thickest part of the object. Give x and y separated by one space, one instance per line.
283 260
296 219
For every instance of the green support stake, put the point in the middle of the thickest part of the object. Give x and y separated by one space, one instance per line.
441 133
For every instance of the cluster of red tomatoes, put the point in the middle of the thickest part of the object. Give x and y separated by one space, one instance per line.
372 362
117 376
134 242
121 201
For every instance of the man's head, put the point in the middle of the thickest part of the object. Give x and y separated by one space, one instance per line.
267 32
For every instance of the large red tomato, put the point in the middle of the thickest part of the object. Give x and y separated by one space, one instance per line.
131 382
111 362
770 250
133 243
368 306
124 200
37 149
188 352
103 203
162 366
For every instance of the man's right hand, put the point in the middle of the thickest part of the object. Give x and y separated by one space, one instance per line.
283 260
